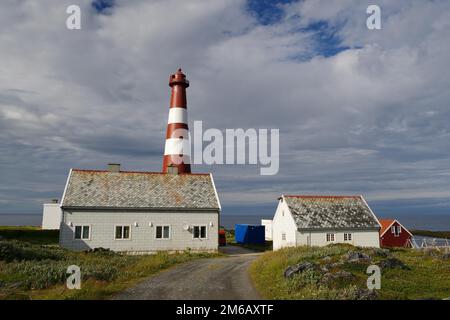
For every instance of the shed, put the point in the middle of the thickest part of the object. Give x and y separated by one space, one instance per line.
251 234
394 234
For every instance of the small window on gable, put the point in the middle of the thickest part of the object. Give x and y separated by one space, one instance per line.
283 236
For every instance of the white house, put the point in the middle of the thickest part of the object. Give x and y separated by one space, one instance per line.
267 223
139 212
51 216
322 220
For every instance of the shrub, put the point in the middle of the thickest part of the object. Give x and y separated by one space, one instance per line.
15 250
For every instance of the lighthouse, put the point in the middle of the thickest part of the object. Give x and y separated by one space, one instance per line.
177 147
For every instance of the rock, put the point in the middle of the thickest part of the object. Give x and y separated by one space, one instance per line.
300 267
356 256
335 265
366 294
392 263
340 275
381 252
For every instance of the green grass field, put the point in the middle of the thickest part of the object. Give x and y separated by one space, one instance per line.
33 266
427 275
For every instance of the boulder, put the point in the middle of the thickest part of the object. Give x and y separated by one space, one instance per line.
391 263
366 294
340 275
297 268
356 256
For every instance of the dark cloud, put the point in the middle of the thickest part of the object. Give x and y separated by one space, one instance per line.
360 112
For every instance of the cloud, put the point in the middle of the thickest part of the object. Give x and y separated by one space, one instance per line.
359 111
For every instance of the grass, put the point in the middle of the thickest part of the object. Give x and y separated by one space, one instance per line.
427 276
33 235
267 246
432 234
34 267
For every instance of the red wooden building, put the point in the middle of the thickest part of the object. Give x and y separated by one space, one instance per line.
394 234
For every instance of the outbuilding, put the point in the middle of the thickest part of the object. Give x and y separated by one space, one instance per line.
394 234
322 220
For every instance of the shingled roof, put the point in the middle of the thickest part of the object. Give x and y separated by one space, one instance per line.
334 212
139 190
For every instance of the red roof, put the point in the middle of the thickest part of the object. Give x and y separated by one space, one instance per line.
385 224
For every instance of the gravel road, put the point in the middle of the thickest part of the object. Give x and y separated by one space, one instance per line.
210 279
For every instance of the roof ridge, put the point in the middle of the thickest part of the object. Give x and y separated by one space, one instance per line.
139 172
322 196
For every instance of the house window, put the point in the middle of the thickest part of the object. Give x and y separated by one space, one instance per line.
162 232
283 236
347 237
396 230
199 232
122 232
330 237
82 232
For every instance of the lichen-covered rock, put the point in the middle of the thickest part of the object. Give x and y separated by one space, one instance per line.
366 294
356 256
337 276
300 267
381 252
391 263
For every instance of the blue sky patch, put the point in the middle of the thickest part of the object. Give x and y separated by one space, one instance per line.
103 6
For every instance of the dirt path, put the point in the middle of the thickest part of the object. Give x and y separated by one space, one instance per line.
210 279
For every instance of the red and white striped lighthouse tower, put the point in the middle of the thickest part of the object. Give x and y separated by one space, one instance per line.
177 148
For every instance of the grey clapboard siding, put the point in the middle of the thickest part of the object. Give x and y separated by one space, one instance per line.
143 236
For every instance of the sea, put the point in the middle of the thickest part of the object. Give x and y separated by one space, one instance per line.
432 222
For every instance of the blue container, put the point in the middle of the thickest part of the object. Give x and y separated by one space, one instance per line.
245 233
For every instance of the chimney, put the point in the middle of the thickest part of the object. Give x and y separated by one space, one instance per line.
114 167
54 201
176 151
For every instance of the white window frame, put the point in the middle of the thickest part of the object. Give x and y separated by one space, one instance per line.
200 225
122 225
163 225
82 227
395 228
347 236
331 237
283 236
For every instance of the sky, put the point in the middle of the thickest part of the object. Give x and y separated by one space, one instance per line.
359 111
